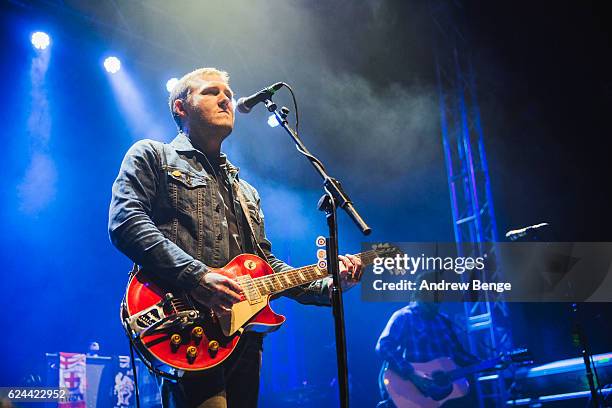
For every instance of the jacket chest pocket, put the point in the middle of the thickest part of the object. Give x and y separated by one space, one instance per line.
187 191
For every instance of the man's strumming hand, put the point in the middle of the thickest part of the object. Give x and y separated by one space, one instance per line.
217 292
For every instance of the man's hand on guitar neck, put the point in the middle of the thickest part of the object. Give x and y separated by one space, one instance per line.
351 269
217 292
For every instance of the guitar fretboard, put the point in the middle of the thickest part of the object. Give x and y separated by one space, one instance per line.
278 282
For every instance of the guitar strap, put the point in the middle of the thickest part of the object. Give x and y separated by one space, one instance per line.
247 215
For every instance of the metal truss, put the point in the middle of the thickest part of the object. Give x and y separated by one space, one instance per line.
474 224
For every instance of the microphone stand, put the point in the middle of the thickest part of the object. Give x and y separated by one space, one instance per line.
586 357
332 198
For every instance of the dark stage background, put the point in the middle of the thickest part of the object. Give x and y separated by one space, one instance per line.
365 79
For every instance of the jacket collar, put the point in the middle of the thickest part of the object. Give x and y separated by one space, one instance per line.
182 143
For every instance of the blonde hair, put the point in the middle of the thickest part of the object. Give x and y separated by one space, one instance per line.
183 86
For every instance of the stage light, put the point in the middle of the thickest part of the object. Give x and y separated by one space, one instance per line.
272 121
40 40
171 84
112 64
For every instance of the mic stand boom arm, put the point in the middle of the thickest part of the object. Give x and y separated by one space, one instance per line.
333 197
332 186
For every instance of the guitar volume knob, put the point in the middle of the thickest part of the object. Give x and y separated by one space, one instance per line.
175 341
192 352
213 347
197 333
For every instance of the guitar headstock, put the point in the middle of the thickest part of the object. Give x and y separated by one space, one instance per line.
384 250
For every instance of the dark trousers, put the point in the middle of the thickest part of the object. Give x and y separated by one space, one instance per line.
232 384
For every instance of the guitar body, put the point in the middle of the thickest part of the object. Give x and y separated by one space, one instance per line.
152 316
406 395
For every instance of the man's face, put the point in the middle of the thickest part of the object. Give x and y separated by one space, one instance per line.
209 104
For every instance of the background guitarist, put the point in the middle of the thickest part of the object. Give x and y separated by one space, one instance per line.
419 333
179 209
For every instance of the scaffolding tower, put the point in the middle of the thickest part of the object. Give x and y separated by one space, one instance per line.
486 314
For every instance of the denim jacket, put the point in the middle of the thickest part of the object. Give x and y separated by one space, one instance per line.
166 215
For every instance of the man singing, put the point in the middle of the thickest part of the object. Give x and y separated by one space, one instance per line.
177 211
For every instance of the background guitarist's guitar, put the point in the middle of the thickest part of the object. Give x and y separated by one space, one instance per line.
439 380
174 335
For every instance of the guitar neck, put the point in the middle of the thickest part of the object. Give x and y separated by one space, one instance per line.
465 371
281 281
519 355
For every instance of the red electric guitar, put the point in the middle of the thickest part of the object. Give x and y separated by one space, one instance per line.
173 334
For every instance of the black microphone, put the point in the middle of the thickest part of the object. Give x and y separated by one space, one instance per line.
245 104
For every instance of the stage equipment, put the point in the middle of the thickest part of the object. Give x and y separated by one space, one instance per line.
561 383
112 65
585 350
171 84
486 314
529 233
272 122
40 40
109 381
245 104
